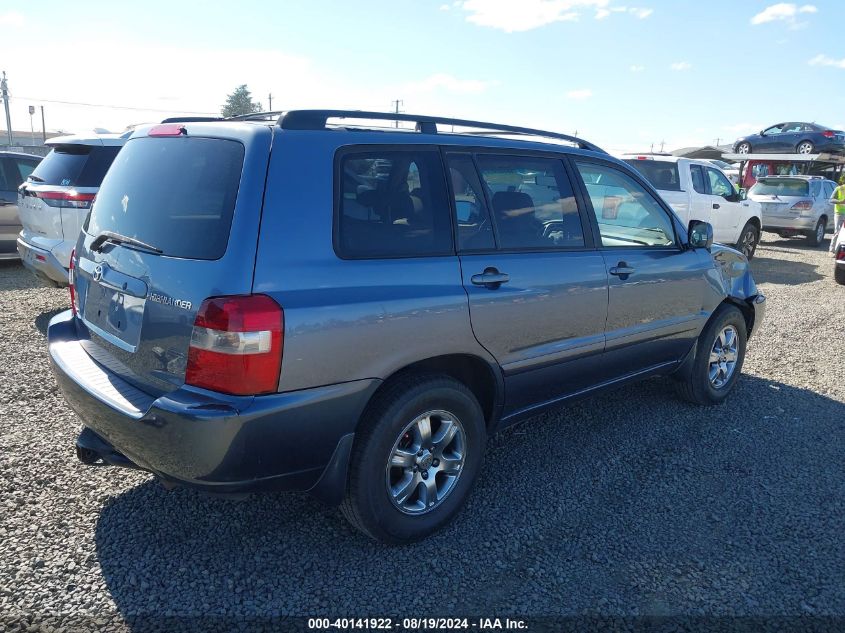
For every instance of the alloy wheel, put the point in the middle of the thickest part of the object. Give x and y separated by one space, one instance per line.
723 357
820 228
744 148
426 462
749 243
805 148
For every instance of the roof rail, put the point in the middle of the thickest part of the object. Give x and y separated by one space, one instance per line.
253 116
192 119
316 120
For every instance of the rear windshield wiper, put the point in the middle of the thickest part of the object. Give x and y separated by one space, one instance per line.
35 178
117 238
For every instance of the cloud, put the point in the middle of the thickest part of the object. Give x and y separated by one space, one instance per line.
580 94
785 12
636 68
510 16
11 18
448 83
739 128
824 60
445 7
681 66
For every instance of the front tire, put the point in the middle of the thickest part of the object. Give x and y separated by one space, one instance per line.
718 359
743 148
816 236
417 453
748 240
839 274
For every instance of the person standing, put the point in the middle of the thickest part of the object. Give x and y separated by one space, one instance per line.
838 200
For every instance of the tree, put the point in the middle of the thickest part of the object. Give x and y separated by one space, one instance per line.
240 102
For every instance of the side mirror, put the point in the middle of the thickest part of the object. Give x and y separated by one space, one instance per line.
743 194
700 234
733 197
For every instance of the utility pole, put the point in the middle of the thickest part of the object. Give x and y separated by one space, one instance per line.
43 127
396 103
718 140
31 126
4 89
270 99
662 144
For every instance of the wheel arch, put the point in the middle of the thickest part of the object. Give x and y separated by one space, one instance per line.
481 377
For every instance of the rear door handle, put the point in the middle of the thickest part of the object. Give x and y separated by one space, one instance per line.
490 278
716 205
621 270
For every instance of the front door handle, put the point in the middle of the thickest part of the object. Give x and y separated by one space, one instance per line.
621 270
490 278
716 205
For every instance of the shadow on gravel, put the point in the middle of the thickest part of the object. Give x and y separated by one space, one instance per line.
43 319
631 503
783 272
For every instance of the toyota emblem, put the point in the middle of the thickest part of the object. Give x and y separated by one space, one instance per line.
98 272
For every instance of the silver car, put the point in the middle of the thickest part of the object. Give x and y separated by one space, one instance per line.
795 205
15 167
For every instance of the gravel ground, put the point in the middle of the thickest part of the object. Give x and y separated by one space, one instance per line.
628 504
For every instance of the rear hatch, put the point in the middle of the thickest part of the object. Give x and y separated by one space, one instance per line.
195 199
778 196
56 197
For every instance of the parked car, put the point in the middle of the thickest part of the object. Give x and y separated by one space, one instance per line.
237 327
730 170
839 257
55 199
789 138
795 205
697 190
14 168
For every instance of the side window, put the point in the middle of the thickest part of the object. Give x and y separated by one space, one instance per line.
6 183
815 188
25 168
533 202
392 204
475 231
775 129
719 185
697 174
627 214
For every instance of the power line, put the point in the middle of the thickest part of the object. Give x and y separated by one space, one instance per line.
115 107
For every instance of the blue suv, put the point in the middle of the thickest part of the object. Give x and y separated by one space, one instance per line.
308 301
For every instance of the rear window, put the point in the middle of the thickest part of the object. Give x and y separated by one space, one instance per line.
662 175
75 166
177 194
781 188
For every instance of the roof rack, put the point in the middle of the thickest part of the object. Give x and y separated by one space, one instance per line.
316 120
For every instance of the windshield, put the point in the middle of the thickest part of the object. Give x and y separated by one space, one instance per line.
780 188
662 175
176 194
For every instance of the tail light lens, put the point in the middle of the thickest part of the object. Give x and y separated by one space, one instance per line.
803 205
840 254
71 281
236 345
70 198
828 133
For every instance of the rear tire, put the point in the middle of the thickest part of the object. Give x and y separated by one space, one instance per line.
816 236
748 240
839 274
392 456
721 342
805 147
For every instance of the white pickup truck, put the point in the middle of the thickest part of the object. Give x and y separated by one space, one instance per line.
698 190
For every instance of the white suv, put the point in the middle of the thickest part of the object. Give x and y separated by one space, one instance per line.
795 205
56 197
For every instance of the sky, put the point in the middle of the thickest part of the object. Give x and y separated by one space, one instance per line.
628 75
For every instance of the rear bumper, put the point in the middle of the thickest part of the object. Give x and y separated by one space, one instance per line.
298 440
795 223
42 262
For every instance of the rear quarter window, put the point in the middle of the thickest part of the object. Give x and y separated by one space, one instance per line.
391 203
176 194
662 175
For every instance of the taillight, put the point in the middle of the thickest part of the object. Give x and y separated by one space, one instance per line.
803 205
71 282
70 198
840 254
828 133
168 129
236 345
